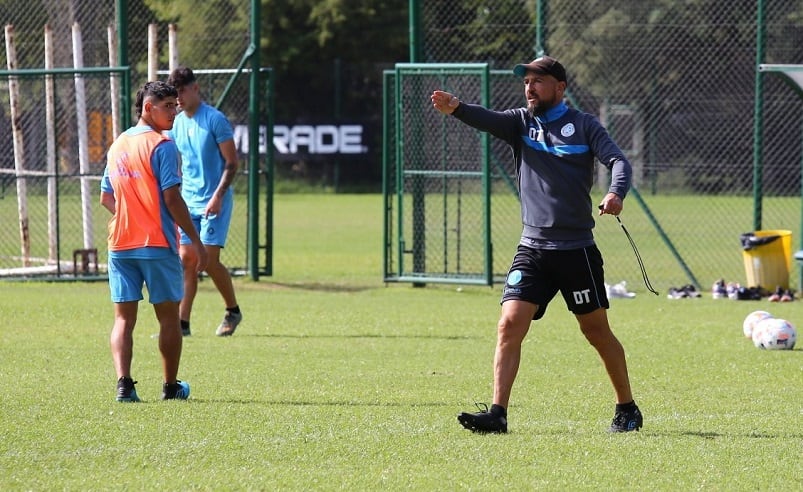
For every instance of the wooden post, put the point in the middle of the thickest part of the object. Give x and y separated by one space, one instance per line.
114 83
50 132
153 53
172 42
83 138
19 151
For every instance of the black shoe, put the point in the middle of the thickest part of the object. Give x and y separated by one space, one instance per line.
690 290
677 293
748 294
180 390
626 420
483 422
185 332
126 391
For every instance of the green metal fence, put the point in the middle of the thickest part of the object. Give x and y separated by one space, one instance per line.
675 83
440 181
49 172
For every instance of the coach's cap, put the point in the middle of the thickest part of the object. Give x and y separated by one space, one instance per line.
545 65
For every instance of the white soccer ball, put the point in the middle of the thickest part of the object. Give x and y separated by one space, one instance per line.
751 320
774 334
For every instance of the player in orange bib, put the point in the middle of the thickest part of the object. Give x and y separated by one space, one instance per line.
141 188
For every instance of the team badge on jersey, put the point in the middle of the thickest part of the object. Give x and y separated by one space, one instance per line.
567 130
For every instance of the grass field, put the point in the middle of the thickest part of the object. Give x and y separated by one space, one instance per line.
336 381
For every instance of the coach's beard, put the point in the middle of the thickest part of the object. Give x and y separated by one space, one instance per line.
536 109
537 106
541 107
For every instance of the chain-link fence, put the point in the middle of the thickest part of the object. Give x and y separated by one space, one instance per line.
50 168
453 189
675 84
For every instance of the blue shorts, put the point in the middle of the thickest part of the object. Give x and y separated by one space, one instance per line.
163 277
213 229
537 275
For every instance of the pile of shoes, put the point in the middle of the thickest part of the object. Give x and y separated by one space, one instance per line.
619 291
749 294
782 295
730 290
737 292
720 289
685 292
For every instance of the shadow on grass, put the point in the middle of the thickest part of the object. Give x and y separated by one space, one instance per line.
650 433
368 335
307 403
321 287
727 435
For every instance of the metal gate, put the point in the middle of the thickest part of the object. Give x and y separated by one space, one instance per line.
436 178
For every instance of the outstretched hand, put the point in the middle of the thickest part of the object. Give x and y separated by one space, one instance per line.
444 102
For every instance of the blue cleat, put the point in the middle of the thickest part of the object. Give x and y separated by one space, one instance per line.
180 390
627 420
125 390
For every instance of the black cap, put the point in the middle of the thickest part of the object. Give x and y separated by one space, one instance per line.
545 65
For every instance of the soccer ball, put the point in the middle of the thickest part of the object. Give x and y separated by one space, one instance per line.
751 320
774 334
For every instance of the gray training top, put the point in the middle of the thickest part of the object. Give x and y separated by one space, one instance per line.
554 157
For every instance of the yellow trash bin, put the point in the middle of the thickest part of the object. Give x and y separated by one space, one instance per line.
767 258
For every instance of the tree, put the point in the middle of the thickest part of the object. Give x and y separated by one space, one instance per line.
301 39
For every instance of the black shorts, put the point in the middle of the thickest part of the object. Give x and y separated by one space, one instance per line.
536 275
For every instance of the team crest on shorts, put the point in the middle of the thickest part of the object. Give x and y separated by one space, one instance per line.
514 277
567 130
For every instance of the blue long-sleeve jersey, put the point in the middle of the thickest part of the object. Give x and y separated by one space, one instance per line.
554 156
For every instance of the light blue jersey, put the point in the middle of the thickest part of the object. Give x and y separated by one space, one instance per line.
202 164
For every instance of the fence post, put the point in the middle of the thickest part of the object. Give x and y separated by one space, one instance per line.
19 152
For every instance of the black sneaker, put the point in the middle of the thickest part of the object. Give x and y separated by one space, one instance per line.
626 420
180 390
677 293
691 291
483 422
185 332
748 294
126 391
